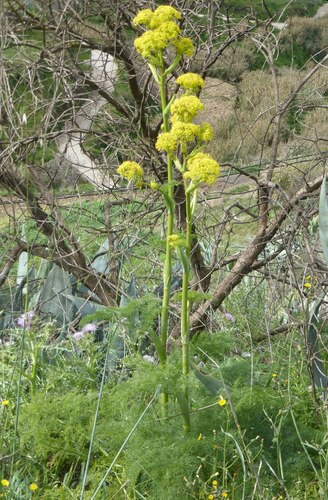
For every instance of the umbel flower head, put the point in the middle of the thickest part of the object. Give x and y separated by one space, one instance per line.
202 169
186 108
191 81
186 132
166 142
131 170
154 19
182 132
206 132
163 32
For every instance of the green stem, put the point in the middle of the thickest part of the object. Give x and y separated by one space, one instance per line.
35 351
185 313
167 272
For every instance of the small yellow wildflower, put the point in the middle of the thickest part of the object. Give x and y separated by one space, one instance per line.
153 185
308 278
214 483
224 494
200 437
175 240
202 168
4 483
307 285
210 497
191 81
5 402
186 108
33 487
131 170
143 17
166 141
222 401
274 375
184 47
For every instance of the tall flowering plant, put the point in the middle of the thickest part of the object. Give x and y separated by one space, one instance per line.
182 141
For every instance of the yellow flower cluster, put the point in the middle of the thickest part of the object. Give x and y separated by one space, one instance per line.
191 81
182 132
206 132
149 44
154 19
186 132
184 47
143 18
202 168
186 108
131 170
163 32
166 142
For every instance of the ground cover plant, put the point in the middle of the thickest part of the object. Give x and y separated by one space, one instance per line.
163 251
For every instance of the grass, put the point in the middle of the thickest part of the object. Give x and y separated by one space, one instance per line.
269 417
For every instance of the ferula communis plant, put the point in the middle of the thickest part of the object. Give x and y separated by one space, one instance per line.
182 141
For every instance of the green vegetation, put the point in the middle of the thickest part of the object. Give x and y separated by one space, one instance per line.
274 8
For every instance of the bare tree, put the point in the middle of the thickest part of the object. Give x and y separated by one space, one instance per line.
76 101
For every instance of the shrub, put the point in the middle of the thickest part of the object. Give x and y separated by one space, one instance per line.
303 39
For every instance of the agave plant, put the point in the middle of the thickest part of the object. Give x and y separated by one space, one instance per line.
49 290
320 379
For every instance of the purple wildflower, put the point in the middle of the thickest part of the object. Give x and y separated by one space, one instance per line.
88 328
230 317
24 321
78 335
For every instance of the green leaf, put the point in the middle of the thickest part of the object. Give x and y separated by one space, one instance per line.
84 307
319 377
53 296
131 293
101 261
323 218
213 384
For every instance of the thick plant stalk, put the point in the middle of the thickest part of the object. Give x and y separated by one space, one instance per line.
185 313
167 271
